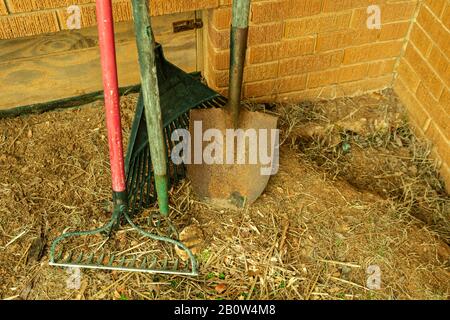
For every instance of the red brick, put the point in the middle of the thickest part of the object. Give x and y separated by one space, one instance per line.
440 64
322 79
294 83
297 47
426 74
340 5
220 18
394 31
420 40
269 11
342 39
372 52
435 6
446 16
416 112
381 68
439 141
353 73
16 26
218 79
280 50
267 33
444 100
316 24
303 8
264 53
408 76
435 30
260 72
434 109
220 60
310 63
219 39
161 7
263 88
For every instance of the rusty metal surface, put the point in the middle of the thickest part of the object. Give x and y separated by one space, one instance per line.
238 46
229 185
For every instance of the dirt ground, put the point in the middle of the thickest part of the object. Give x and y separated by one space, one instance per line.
355 193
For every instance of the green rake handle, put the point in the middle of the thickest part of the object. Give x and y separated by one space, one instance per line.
150 91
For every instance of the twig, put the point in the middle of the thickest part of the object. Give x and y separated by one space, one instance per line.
15 238
18 136
349 282
352 265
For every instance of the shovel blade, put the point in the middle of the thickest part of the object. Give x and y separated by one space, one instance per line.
231 168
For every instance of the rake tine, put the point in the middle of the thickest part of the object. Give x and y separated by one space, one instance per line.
111 260
131 174
90 258
144 171
100 259
144 263
149 180
152 265
80 257
132 262
59 255
169 131
184 121
69 257
122 261
178 124
136 182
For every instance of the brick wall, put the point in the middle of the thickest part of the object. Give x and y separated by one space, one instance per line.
423 77
300 49
20 18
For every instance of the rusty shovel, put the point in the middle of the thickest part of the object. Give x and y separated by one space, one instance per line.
234 151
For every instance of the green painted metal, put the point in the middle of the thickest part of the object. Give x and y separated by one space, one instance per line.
241 11
162 190
150 92
61 257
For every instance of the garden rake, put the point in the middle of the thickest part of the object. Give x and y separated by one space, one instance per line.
167 95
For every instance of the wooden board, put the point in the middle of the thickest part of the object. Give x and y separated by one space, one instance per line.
67 64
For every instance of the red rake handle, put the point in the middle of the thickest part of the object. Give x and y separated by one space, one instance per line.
111 92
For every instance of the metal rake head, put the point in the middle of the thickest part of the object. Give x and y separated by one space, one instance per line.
138 258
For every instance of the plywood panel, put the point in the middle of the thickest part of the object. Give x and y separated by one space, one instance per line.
52 67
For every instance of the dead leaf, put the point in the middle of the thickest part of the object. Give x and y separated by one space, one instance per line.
192 237
220 288
37 248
